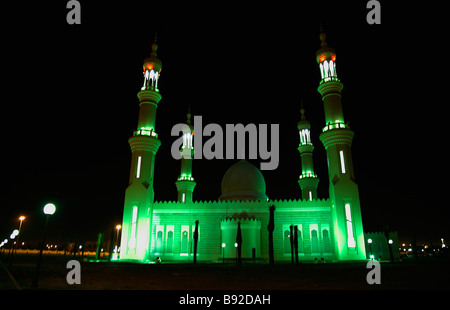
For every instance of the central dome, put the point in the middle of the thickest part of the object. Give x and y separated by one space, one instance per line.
243 181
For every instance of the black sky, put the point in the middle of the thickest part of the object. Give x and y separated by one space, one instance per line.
69 104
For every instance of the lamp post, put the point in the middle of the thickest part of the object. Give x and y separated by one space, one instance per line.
11 237
49 209
370 248
21 218
118 227
223 252
116 255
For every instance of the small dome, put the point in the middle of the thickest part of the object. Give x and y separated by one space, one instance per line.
243 181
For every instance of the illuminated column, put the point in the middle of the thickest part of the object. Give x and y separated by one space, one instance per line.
139 195
185 183
308 180
337 138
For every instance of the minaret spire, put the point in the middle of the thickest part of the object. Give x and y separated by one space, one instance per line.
152 69
185 183
302 110
337 139
139 195
308 180
154 46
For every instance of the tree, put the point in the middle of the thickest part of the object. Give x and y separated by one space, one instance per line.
239 243
270 228
195 241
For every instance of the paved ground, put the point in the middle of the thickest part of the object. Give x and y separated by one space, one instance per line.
426 274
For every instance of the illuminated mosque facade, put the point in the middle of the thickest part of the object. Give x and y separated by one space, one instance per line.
320 228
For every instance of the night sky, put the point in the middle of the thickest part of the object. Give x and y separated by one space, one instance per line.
69 104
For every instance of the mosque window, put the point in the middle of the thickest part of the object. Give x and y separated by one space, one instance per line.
159 241
305 136
328 69
331 68
314 242
169 238
132 243
326 238
184 240
341 156
169 245
348 217
150 79
287 240
138 167
187 140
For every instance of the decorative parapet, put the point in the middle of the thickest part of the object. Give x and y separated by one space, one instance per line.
185 185
149 96
282 205
246 222
305 148
330 87
144 143
337 136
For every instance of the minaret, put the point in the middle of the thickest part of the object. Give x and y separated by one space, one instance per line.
337 138
308 180
139 195
185 183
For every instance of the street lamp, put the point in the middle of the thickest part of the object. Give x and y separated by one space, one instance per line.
116 250
12 236
118 227
17 234
370 248
49 209
21 218
223 252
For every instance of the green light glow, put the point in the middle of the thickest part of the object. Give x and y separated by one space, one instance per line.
186 177
49 208
138 167
132 242
341 156
307 174
337 124
145 131
328 71
348 217
305 136
164 230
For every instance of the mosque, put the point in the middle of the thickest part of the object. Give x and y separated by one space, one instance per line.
331 228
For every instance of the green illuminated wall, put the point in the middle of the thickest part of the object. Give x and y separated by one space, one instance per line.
171 221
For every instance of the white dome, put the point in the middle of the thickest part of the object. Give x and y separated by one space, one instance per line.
243 181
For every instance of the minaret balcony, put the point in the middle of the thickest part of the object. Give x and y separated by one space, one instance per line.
305 148
335 126
328 79
185 177
337 135
307 175
145 132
